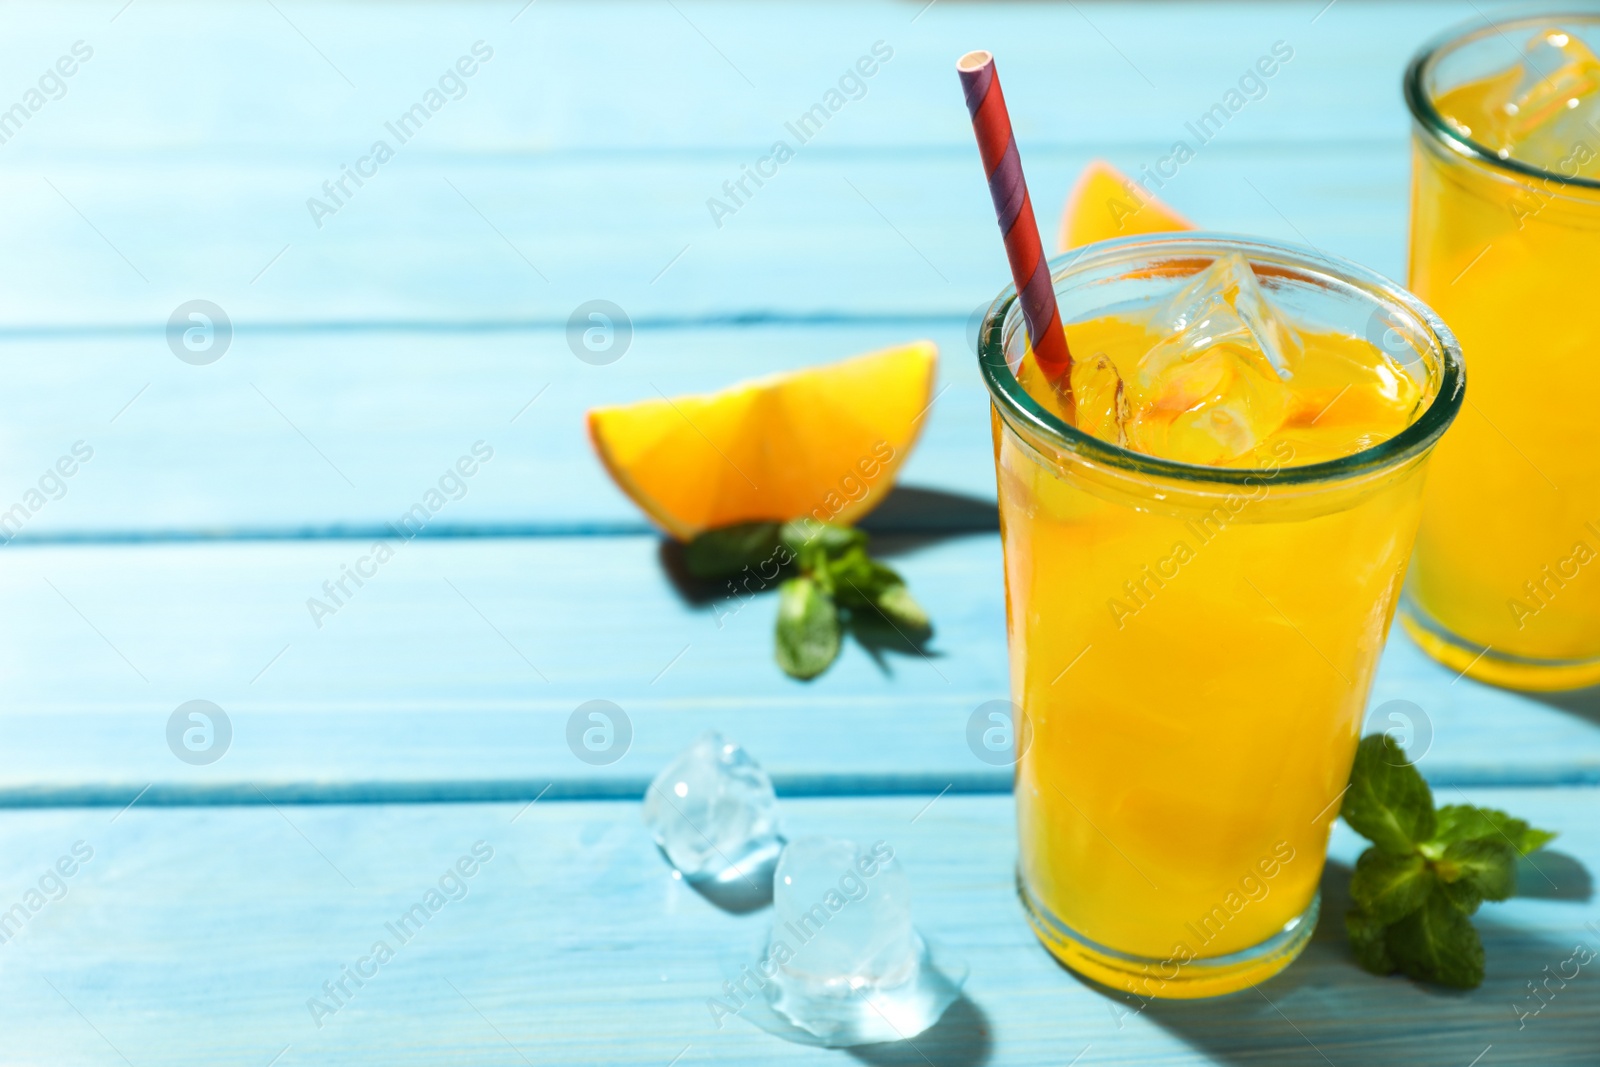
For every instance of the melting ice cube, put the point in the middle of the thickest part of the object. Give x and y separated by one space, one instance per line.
847 966
713 811
848 908
1223 304
1538 110
1100 399
1216 384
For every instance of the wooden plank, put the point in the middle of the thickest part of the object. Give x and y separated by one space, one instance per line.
340 425
520 200
862 233
198 936
319 78
233 447
453 674
295 434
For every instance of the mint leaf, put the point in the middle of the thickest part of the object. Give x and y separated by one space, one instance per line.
1458 822
1532 840
1386 887
1465 822
838 583
1388 803
812 540
808 629
1473 871
858 580
727 550
1428 871
1367 941
1436 943
901 609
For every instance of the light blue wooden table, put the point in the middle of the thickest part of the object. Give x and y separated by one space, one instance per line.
428 313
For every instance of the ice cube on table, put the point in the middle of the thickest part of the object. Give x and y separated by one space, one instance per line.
1217 382
853 905
713 811
846 965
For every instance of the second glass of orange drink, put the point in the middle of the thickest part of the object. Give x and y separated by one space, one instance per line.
1206 526
1505 224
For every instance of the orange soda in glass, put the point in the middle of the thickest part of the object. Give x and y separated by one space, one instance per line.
1205 537
1505 231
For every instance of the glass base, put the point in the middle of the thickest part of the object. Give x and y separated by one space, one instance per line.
1146 977
1494 668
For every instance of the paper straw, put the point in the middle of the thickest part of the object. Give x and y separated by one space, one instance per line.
1003 168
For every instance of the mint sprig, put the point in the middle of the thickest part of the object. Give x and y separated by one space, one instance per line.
727 551
1427 871
808 628
830 585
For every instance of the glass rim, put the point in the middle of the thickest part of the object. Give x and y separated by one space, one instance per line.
1017 406
1426 115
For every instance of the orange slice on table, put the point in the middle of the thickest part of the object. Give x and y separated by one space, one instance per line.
824 441
1105 203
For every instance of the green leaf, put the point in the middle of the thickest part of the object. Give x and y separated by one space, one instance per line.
1387 887
1436 943
727 550
1464 822
1388 803
1367 941
1477 870
810 539
808 629
857 580
1428 872
900 608
1533 839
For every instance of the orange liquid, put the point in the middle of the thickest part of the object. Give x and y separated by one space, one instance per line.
1506 556
1194 660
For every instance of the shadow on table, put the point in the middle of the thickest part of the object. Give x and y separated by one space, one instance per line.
930 513
745 886
959 1039
1581 703
1325 1010
1584 703
1550 874
908 518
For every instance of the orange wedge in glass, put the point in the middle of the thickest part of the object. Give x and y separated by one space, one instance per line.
824 441
1105 203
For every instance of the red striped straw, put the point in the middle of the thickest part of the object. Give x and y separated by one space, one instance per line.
1003 167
